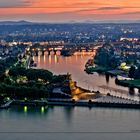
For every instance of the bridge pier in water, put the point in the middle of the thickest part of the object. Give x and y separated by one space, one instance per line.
49 52
42 52
55 52
36 53
37 50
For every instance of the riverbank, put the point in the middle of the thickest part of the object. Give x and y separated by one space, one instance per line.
92 103
104 70
92 69
129 83
108 101
102 101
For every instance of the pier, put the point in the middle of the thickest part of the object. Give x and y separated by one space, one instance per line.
105 101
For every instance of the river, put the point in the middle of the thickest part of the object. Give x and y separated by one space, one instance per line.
70 123
75 65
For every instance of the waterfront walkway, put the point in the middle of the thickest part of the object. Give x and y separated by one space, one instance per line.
115 99
104 101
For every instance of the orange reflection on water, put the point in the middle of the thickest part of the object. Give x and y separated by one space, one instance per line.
83 53
76 57
55 59
46 53
38 58
44 58
58 53
50 59
66 58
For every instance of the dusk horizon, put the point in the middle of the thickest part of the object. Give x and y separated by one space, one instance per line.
24 21
64 11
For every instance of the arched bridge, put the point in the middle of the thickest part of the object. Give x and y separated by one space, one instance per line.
69 47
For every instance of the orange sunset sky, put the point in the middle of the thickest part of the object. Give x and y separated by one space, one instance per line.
68 10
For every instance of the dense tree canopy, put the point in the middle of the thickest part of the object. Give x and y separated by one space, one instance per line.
6 63
134 73
20 91
105 58
31 74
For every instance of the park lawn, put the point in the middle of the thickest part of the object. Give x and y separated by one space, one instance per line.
96 69
132 82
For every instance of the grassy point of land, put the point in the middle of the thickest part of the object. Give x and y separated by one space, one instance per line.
90 70
129 83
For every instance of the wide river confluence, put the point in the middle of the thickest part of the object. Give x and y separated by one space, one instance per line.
70 123
75 65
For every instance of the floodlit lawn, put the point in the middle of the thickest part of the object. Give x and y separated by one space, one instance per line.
96 69
132 82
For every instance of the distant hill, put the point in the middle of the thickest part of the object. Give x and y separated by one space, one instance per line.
22 22
119 21
111 21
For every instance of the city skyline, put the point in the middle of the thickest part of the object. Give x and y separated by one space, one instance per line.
65 11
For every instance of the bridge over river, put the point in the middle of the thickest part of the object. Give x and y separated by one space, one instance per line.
68 48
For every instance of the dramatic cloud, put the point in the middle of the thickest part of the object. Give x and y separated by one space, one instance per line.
110 8
69 10
14 3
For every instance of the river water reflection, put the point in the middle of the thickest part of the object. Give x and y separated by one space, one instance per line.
70 123
75 65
